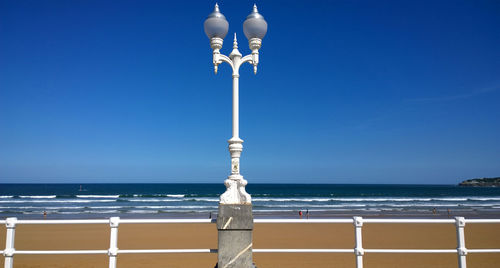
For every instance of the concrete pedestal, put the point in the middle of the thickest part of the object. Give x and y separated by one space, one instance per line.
235 226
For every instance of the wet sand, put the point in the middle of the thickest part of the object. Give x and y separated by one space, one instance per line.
177 236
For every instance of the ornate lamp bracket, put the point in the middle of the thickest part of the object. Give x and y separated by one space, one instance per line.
235 183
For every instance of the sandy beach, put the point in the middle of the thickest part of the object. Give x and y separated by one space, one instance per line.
176 236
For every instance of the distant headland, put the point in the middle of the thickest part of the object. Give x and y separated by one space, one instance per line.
482 182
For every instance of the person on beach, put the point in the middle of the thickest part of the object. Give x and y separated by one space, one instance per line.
434 211
300 214
307 213
449 213
44 214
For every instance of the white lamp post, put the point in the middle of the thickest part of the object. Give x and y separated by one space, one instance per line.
255 28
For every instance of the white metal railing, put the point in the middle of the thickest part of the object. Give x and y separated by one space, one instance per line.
358 250
113 250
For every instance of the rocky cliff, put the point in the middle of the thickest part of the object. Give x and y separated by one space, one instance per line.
482 182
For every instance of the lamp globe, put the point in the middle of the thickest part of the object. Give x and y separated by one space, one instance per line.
255 26
216 24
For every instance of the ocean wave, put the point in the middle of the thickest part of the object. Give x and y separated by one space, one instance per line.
152 207
291 199
186 211
56 201
142 211
451 199
73 212
376 199
273 210
174 207
106 207
176 195
45 208
204 199
87 212
442 205
102 211
312 206
6 196
98 196
181 207
484 198
347 199
8 211
66 212
265 198
157 195
37 196
150 200
386 199
56 208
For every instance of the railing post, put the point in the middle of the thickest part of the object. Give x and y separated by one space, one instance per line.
9 251
461 249
113 241
235 236
358 249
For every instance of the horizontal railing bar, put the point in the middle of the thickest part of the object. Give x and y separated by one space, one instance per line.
302 250
348 220
44 252
454 251
168 220
408 220
303 220
62 221
482 221
368 220
489 250
120 221
128 251
274 250
410 251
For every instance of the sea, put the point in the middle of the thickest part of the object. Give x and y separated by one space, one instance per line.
67 201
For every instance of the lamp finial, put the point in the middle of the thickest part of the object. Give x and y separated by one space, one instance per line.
235 42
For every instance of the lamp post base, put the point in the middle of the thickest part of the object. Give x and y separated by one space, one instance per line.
235 227
235 192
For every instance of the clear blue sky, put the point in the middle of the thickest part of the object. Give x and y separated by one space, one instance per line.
346 92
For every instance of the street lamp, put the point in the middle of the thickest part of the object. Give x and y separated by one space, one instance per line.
216 28
235 218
